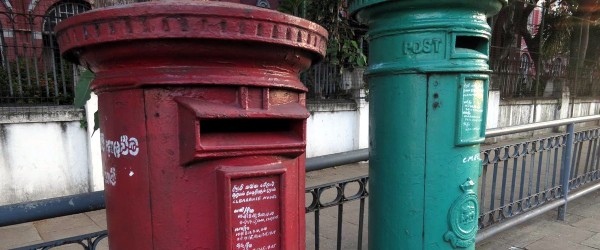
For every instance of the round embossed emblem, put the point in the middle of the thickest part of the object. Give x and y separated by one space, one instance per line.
462 217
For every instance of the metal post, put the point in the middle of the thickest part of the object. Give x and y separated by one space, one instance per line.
566 170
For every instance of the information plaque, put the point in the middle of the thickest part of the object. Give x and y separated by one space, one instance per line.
472 101
252 207
256 213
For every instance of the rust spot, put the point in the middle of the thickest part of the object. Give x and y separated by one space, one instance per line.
97 27
111 27
128 25
259 30
165 24
203 24
144 19
183 23
85 33
223 25
275 31
242 28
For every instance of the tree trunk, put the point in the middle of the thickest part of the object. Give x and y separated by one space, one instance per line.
587 9
585 37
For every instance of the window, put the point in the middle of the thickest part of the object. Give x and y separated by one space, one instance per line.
61 11
54 15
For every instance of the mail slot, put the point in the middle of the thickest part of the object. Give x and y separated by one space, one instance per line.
470 46
203 121
210 131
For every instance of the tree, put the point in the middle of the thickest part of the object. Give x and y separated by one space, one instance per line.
585 12
566 28
343 47
510 25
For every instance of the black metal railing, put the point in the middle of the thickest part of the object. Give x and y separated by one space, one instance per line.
516 78
519 181
586 152
32 72
327 82
337 194
519 177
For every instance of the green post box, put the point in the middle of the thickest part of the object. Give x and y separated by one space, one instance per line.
428 79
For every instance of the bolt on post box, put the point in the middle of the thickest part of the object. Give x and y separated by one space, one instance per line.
428 78
203 121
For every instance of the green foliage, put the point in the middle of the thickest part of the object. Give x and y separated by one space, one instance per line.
563 26
31 86
352 54
82 89
556 43
294 7
83 94
96 122
343 47
594 46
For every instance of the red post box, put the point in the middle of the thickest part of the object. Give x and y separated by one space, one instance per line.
203 121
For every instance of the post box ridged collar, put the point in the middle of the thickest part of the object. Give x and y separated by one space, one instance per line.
132 22
195 42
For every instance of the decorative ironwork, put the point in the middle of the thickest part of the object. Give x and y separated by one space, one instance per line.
87 241
340 197
585 163
525 174
320 199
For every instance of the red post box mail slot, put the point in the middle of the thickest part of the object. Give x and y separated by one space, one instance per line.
208 130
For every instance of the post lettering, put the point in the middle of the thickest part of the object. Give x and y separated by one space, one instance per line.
426 46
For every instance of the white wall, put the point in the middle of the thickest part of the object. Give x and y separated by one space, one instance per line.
94 154
47 154
493 111
363 121
40 159
525 111
334 128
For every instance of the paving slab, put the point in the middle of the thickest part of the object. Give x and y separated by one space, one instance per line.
550 243
593 242
19 235
547 233
590 224
64 223
564 232
98 217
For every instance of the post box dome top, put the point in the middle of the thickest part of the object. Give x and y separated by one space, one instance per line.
490 7
188 20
